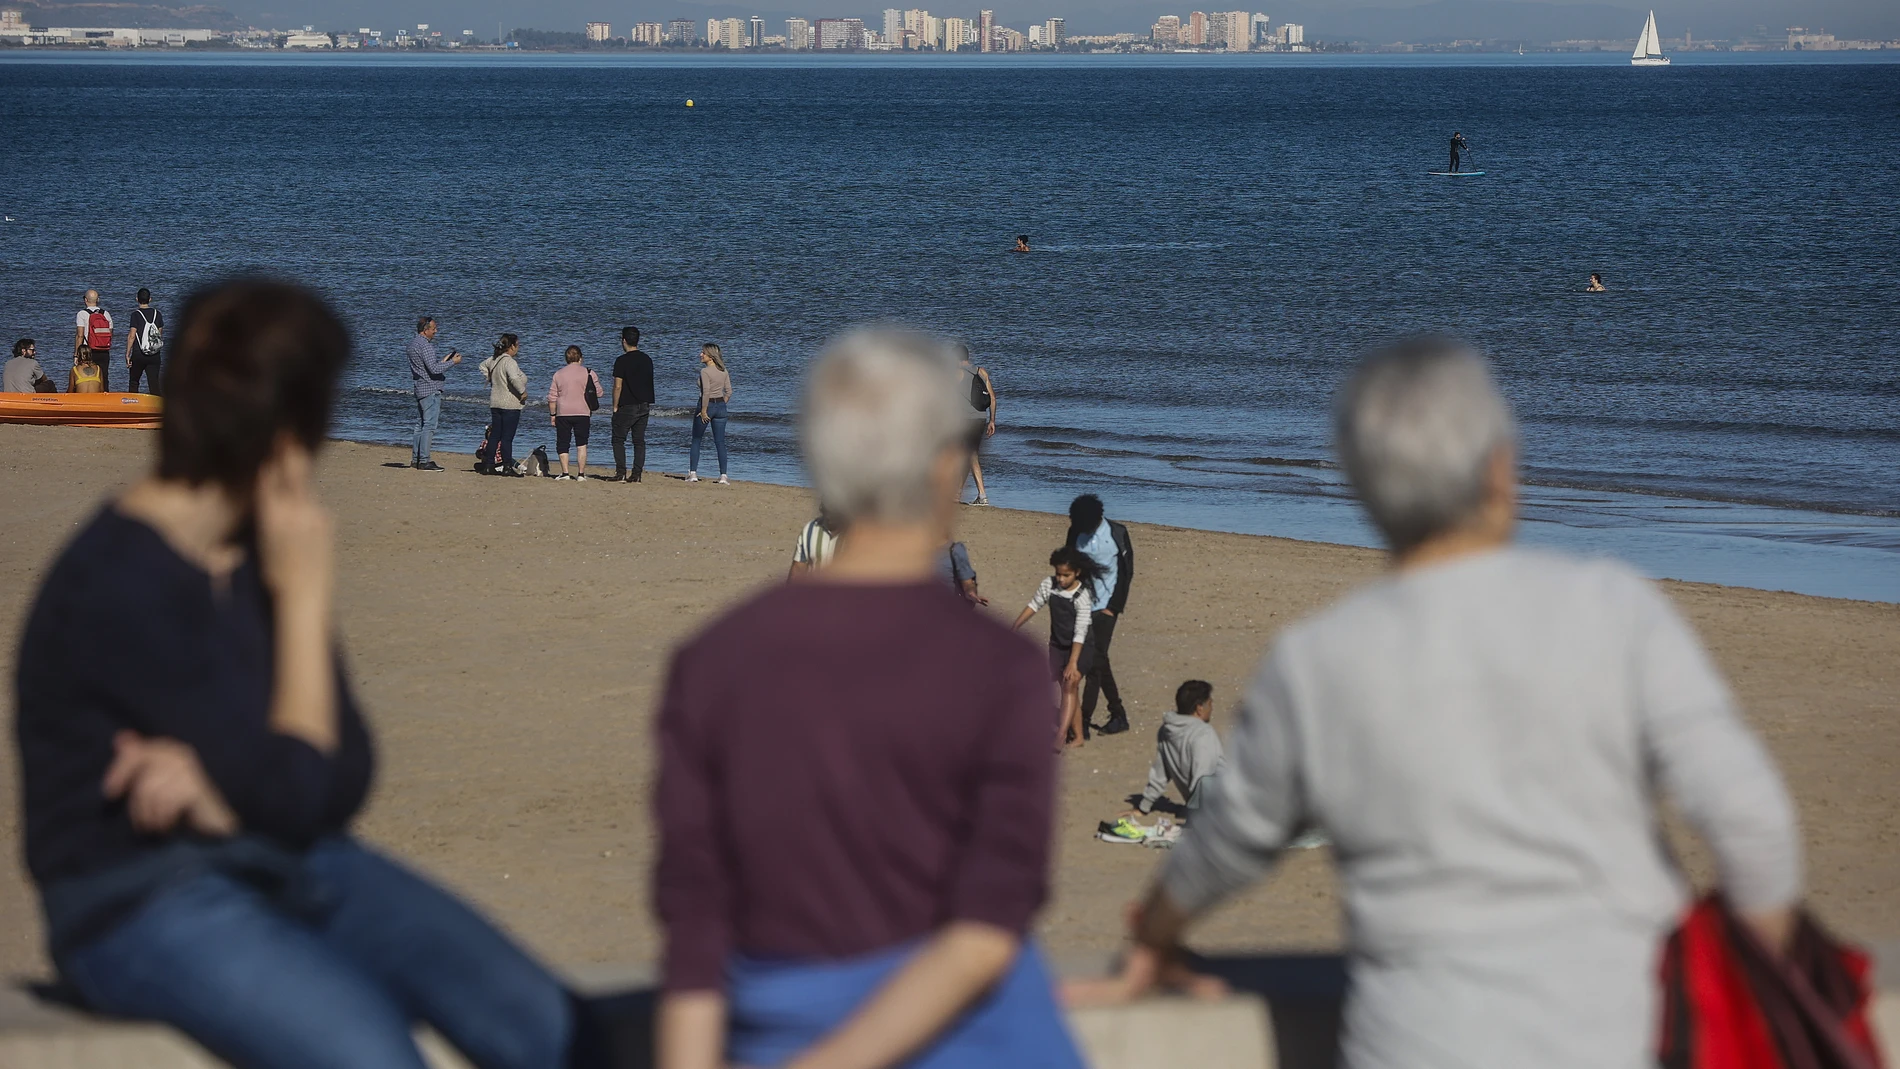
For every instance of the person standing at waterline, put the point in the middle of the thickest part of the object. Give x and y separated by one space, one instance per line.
92 336
187 814
715 390
507 393
428 374
570 411
1482 733
838 885
633 404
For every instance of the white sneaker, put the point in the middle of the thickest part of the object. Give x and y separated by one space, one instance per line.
723 481
692 476
563 477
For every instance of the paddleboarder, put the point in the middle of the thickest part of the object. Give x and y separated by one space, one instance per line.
1458 145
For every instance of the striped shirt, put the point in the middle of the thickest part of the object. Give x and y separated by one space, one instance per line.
1074 605
815 545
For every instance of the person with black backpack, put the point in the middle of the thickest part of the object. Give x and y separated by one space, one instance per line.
93 330
145 345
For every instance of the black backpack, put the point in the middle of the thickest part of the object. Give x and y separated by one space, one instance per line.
593 394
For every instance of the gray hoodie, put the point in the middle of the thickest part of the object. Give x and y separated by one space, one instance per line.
1186 750
507 384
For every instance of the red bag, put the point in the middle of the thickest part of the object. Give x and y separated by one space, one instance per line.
98 330
1729 1003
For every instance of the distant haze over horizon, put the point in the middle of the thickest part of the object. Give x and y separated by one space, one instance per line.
1438 20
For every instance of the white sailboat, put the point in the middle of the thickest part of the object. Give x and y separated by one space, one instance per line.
1649 47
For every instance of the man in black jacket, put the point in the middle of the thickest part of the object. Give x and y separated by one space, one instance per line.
1107 543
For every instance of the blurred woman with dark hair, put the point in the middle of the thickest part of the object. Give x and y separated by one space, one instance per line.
187 812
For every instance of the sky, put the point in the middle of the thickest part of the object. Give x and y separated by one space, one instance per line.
1372 20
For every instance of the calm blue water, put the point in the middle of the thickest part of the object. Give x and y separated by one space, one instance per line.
1215 242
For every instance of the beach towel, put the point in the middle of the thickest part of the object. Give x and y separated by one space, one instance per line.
1730 1003
778 1009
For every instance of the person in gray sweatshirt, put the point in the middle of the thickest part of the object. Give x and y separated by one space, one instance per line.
1187 750
1484 734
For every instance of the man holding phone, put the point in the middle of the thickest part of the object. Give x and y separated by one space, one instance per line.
429 373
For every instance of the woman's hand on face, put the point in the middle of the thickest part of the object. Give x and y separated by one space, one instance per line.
163 783
296 535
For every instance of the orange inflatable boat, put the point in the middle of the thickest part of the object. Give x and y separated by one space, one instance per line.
135 410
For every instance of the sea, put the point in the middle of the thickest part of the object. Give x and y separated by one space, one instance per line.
1216 240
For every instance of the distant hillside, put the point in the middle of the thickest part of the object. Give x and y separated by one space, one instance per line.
190 17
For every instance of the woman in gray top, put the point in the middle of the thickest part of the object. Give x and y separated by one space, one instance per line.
715 390
1482 734
507 392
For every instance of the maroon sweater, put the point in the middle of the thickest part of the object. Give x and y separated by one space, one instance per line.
845 768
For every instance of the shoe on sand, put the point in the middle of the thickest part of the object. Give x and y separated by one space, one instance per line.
723 481
692 476
1123 831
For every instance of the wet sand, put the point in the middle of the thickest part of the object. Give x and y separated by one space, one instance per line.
507 639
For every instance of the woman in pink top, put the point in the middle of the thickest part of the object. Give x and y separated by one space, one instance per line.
570 410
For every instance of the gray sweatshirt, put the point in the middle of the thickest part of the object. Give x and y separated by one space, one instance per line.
507 383
1186 749
1483 741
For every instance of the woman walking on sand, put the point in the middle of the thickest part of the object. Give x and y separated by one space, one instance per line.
895 931
571 408
507 392
1071 649
715 389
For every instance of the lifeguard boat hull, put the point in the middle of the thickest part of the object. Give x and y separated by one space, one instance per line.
138 411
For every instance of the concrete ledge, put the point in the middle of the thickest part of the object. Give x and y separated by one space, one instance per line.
1285 1014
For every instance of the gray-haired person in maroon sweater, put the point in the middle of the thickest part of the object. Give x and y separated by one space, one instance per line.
855 829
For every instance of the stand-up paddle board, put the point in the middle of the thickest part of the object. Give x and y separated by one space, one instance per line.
1455 174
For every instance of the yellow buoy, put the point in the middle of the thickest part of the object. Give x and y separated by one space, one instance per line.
689 103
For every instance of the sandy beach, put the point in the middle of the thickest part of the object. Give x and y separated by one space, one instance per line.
463 599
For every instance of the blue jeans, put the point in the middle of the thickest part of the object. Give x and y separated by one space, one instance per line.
504 422
716 419
428 414
263 988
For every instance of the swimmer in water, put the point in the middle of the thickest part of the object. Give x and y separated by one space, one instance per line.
1022 243
1596 284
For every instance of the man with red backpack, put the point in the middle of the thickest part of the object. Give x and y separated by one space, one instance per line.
93 330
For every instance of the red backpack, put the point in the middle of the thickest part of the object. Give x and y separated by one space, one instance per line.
1729 1003
98 329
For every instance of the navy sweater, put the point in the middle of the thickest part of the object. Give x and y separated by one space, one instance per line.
126 634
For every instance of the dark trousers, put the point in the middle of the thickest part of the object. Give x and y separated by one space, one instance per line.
1100 679
502 424
631 419
1454 161
148 367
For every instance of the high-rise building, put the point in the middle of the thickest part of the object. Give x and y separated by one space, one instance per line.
1035 37
1260 27
842 34
956 34
649 33
1167 31
931 31
797 34
1291 33
1236 30
679 32
732 33
893 23
1194 31
712 33
599 31
1054 32
985 31
755 32
1008 40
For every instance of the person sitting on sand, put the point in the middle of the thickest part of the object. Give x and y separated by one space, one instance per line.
1066 593
187 813
1187 755
1596 284
1485 732
839 885
86 376
1022 243
23 373
816 543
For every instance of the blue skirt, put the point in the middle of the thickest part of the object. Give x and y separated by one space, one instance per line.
779 1009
